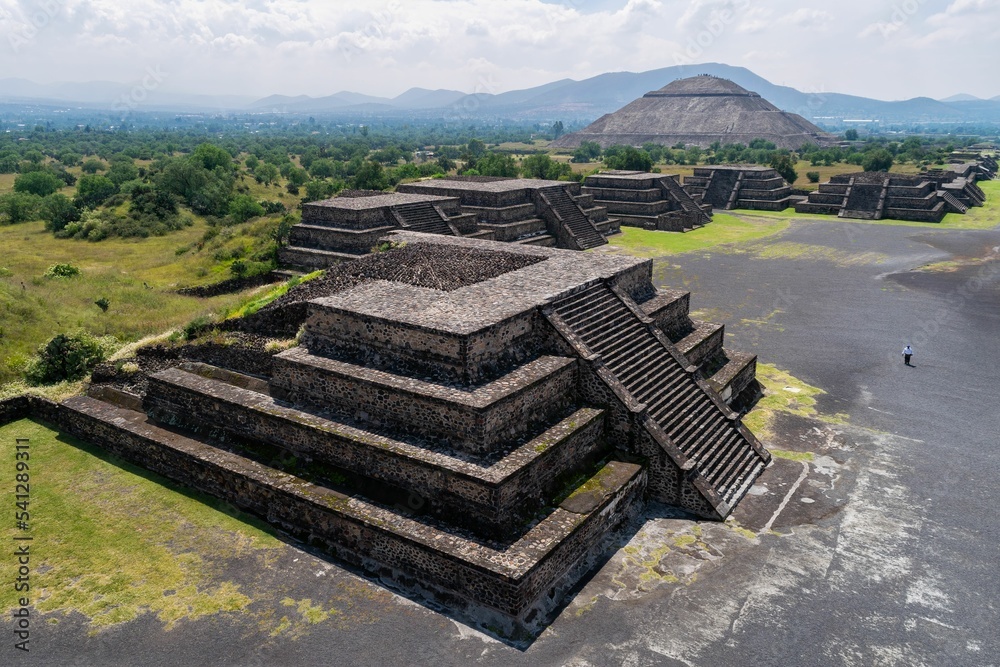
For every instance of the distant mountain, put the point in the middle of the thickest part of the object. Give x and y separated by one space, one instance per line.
962 97
567 100
421 98
112 95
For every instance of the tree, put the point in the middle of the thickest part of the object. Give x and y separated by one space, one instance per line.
211 157
877 160
57 210
93 190
322 168
851 135
558 129
123 170
18 207
371 176
542 166
782 163
93 166
587 152
266 173
41 183
627 158
318 190
244 207
495 164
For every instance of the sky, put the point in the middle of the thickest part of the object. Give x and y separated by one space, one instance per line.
887 49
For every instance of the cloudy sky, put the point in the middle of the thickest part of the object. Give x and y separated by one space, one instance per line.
889 49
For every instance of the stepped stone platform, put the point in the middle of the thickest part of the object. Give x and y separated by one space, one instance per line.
527 211
646 200
477 439
878 195
735 186
699 111
349 226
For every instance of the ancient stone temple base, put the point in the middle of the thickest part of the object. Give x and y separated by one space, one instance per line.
479 444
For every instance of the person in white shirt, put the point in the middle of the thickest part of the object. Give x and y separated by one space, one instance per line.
907 353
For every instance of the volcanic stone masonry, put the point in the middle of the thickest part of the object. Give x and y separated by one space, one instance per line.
524 211
649 201
738 186
477 435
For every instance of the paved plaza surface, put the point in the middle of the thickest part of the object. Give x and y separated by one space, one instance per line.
872 539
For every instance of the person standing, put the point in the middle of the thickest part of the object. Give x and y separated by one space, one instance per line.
907 354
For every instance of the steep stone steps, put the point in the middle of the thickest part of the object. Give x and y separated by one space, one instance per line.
569 213
423 218
697 424
512 587
674 191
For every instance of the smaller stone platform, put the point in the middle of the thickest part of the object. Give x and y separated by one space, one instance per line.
647 200
879 195
739 186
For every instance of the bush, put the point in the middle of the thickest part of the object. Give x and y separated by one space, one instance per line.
877 160
41 183
813 176
627 158
17 207
62 271
243 208
67 357
57 211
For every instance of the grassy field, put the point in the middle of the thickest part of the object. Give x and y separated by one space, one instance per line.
113 542
138 276
723 229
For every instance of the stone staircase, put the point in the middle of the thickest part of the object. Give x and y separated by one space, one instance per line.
726 455
954 204
566 213
674 190
719 190
423 218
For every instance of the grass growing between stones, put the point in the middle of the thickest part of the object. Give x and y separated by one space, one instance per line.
723 229
783 393
113 542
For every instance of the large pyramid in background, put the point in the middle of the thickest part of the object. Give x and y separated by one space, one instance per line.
697 112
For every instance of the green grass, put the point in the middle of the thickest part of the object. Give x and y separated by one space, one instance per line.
982 217
783 393
138 276
723 229
113 542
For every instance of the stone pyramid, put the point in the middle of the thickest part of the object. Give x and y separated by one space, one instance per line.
697 112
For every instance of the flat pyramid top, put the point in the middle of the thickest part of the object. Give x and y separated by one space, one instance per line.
702 85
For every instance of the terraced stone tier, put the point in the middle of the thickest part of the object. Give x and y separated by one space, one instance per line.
490 497
513 587
481 420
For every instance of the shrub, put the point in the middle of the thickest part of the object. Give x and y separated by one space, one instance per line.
813 176
103 303
877 160
784 165
41 183
67 357
243 208
62 271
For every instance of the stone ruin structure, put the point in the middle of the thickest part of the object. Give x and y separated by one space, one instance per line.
349 226
879 195
525 211
474 431
737 186
699 111
984 164
649 201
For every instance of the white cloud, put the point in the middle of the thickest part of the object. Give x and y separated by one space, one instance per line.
258 47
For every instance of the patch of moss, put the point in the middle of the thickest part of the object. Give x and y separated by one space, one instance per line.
792 456
783 393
